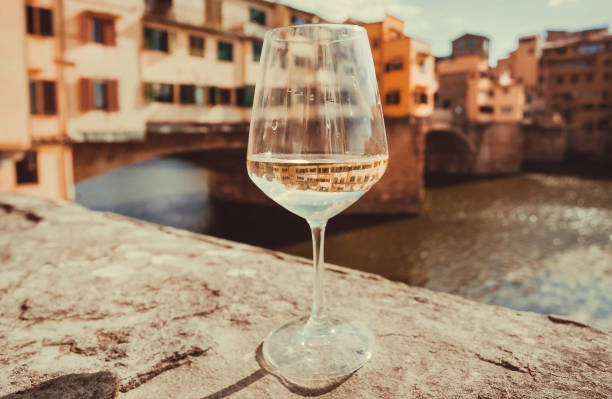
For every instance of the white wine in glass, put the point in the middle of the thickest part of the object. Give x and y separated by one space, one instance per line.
316 144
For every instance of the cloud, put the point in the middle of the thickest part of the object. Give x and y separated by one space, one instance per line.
457 20
557 3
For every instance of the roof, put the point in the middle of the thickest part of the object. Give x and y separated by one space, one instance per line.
471 35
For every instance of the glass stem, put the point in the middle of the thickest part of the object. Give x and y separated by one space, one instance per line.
318 315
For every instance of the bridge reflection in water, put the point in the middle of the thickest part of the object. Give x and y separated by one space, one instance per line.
531 242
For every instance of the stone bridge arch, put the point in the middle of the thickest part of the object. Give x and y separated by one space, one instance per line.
92 158
448 152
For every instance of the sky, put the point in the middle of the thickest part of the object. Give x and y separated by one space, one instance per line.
440 21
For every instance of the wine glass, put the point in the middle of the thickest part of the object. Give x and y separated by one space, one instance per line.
317 143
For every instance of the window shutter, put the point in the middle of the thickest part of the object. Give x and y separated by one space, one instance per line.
108 32
48 88
40 100
85 94
112 95
86 27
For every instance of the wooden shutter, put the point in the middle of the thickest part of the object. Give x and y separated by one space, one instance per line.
85 94
48 89
40 99
112 95
86 27
108 32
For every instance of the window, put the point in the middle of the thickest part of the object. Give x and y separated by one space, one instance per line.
26 170
491 93
375 43
486 109
187 94
420 98
422 67
589 77
561 50
159 92
256 51
506 110
257 16
225 96
575 78
191 94
392 98
196 46
446 104
589 48
225 51
155 39
605 76
100 100
394 66
295 20
244 96
98 29
42 97
560 79
98 95
39 21
219 96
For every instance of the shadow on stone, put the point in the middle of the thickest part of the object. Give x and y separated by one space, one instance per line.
303 388
101 385
237 386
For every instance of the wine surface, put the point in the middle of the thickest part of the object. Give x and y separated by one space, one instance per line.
315 186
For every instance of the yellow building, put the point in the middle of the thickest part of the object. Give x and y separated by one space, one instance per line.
103 71
404 69
472 90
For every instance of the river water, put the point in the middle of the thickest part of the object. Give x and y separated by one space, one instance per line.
534 242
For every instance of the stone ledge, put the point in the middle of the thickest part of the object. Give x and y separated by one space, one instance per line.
87 298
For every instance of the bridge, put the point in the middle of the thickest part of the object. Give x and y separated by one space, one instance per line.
441 144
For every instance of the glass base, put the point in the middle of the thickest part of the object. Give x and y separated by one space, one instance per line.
300 351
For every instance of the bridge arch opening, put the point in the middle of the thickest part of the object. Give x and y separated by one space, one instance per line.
448 158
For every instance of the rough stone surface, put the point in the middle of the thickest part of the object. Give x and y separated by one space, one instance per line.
173 314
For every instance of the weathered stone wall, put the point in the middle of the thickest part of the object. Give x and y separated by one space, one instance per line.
499 148
543 144
94 305
592 145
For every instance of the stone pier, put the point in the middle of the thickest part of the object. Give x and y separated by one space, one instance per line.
94 305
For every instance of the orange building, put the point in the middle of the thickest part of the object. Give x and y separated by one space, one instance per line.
111 71
522 64
471 89
404 69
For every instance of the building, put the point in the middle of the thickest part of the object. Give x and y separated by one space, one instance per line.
404 69
471 89
522 65
101 71
575 77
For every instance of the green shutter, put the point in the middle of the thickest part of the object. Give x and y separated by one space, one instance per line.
256 51
225 51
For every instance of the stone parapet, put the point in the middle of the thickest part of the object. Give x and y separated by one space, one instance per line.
94 305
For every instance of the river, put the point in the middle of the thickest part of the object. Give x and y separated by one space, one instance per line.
535 242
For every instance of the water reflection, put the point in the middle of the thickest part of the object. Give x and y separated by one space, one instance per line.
533 242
